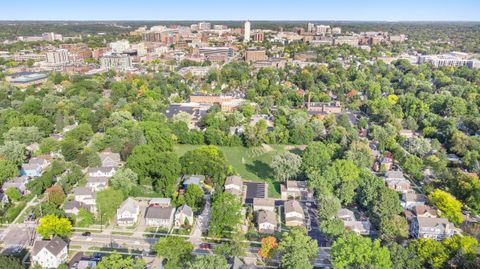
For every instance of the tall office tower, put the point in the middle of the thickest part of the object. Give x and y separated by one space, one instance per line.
246 32
310 27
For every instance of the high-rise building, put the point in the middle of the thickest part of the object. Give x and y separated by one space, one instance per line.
258 37
116 61
322 29
58 57
204 26
119 46
246 32
310 27
336 30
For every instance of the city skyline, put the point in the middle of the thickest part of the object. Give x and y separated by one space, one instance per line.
212 10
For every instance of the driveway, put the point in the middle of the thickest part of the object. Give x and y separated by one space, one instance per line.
201 224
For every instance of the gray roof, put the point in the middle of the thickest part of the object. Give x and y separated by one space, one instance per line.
296 184
54 246
414 197
345 214
394 174
159 212
433 222
267 217
30 166
160 201
129 205
98 180
73 204
194 179
293 206
263 202
186 210
234 180
82 191
101 169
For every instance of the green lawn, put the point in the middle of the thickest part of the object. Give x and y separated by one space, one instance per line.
252 164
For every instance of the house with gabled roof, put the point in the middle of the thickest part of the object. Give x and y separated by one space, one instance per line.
107 172
159 216
234 185
266 221
434 228
110 159
127 213
266 204
50 253
183 215
294 215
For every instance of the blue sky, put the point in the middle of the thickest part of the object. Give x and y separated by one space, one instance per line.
385 10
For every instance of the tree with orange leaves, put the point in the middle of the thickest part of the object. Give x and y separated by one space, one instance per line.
268 247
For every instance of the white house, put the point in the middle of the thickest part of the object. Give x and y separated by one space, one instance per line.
160 217
110 159
411 199
234 185
107 172
97 183
184 215
267 222
50 254
127 213
87 197
296 189
294 215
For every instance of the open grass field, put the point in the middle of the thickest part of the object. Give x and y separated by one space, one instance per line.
252 164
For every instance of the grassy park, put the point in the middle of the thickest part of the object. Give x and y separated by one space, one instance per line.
252 164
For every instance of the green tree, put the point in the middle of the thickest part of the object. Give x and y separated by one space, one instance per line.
84 218
10 262
448 205
50 226
194 197
404 258
327 206
361 154
208 261
155 167
8 169
13 194
124 179
431 252
117 261
226 215
108 202
393 228
14 152
24 135
332 227
175 250
70 149
297 249
355 251
206 160
286 166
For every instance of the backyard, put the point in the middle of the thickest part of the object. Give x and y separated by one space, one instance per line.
252 164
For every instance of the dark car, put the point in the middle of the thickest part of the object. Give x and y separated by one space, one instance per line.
205 246
86 233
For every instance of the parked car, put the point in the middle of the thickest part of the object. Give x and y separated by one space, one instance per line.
86 233
205 246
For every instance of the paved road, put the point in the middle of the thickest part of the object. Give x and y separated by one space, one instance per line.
201 224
